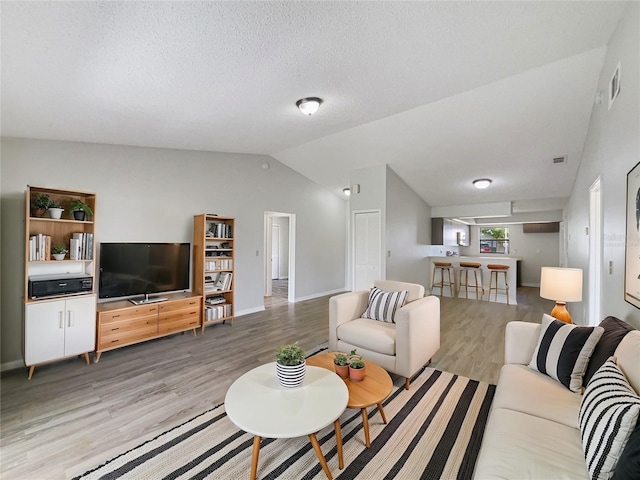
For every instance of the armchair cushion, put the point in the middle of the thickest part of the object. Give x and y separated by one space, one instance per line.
370 335
384 305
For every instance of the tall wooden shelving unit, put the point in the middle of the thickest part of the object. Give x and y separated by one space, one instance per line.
64 326
213 267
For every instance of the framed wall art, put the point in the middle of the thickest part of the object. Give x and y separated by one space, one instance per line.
632 239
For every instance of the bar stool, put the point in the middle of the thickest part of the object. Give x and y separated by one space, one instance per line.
494 272
443 267
474 269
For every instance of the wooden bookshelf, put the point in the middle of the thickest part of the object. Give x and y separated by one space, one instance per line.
213 267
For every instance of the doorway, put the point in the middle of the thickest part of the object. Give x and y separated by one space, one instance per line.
595 252
279 258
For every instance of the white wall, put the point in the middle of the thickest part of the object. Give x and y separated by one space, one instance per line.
611 149
406 222
148 194
408 232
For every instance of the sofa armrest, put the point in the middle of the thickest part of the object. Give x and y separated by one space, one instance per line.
417 334
344 308
520 340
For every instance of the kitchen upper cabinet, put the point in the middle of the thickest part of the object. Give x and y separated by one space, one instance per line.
445 231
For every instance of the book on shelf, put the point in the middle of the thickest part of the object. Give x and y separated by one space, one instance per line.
39 247
81 246
219 230
216 312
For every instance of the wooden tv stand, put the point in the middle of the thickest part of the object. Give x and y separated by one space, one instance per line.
121 323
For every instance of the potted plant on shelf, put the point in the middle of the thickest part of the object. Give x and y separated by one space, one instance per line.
341 364
80 210
290 365
39 204
58 251
55 209
356 367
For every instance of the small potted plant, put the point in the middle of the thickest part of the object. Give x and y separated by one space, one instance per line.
356 367
55 209
80 210
39 204
341 363
58 251
290 365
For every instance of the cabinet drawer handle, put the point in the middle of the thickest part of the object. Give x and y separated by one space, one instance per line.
114 341
193 323
116 316
114 329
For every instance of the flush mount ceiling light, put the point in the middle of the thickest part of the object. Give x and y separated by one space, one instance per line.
346 191
482 182
309 105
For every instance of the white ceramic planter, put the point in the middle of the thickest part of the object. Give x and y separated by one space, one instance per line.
56 212
58 256
291 376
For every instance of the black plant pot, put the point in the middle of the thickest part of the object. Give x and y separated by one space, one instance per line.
78 215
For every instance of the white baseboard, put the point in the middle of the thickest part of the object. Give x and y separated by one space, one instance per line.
322 294
537 285
249 310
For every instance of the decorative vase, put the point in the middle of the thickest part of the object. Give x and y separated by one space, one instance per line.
58 256
342 370
78 215
291 376
356 374
55 212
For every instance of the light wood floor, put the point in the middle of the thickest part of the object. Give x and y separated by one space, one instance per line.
71 417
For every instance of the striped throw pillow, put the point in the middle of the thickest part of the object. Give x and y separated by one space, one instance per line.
608 415
563 351
384 305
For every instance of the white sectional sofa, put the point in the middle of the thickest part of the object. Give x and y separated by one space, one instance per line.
532 431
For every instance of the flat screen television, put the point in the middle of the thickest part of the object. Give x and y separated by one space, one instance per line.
130 269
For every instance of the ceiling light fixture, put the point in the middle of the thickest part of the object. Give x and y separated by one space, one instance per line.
482 182
309 105
346 191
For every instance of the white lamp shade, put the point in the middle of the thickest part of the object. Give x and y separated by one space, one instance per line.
561 284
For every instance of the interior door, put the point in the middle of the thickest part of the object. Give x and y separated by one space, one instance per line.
275 252
367 249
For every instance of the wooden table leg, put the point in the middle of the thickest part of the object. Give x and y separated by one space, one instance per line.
31 369
86 358
254 458
323 462
384 418
336 426
365 423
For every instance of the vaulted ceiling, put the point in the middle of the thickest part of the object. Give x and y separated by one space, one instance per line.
443 92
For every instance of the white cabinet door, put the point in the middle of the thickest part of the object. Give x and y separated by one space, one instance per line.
44 331
59 328
80 325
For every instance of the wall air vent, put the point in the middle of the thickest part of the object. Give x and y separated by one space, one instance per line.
559 160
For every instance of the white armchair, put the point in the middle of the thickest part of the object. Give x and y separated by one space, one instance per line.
402 347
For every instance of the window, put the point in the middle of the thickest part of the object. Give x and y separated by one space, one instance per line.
494 240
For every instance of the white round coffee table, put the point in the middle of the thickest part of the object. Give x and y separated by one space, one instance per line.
257 404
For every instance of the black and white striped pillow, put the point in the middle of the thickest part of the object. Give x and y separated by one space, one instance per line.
608 415
383 305
563 351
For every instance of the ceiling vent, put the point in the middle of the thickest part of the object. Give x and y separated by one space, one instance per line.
559 160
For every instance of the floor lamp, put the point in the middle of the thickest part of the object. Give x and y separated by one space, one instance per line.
562 285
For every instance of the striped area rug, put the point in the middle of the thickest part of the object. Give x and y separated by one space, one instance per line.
434 431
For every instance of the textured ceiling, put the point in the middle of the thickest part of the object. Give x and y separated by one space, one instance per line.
443 92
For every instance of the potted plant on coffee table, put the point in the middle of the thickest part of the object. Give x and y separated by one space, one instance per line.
80 210
55 209
341 364
290 365
58 251
356 367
